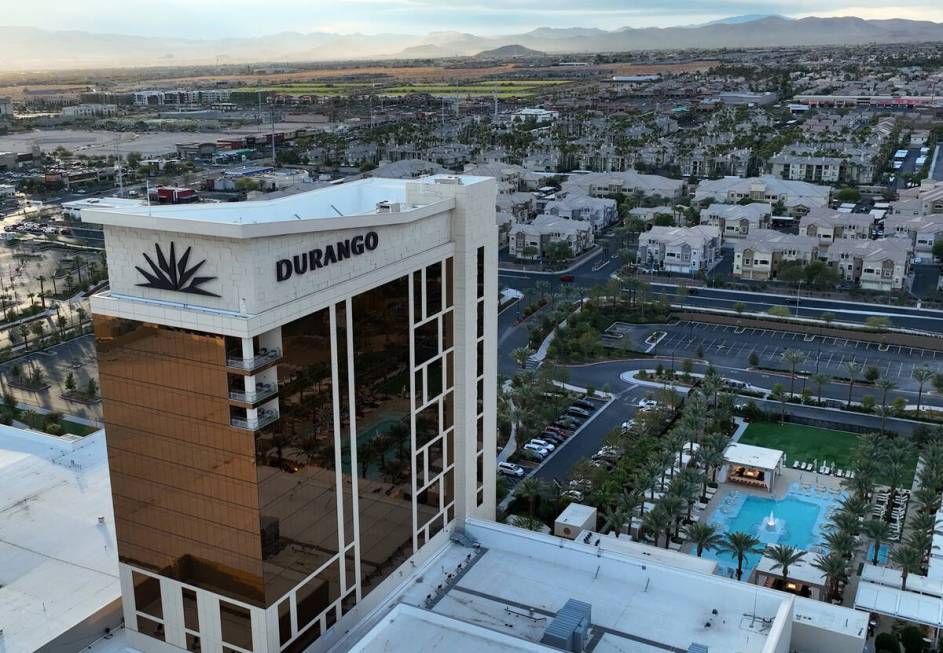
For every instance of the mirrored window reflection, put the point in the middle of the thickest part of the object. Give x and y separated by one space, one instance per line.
236 625
147 595
183 479
433 288
382 375
296 463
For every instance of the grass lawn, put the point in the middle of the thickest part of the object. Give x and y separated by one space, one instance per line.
807 444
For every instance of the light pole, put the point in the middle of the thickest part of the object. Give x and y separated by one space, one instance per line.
798 288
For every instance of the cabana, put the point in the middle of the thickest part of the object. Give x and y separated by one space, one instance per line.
753 466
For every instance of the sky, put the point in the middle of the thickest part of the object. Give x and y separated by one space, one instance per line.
247 18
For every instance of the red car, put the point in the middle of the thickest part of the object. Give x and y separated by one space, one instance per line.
567 278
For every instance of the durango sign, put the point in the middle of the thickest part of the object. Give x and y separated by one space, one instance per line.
319 258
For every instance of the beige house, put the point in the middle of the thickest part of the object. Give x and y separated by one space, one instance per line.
925 199
828 225
798 197
872 264
760 255
680 249
736 220
604 184
921 231
549 229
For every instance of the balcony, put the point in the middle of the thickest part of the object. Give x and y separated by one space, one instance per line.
262 358
262 392
265 417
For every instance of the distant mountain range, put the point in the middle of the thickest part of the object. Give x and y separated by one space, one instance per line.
29 48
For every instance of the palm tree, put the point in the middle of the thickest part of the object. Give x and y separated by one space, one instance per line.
793 357
656 521
42 289
674 506
712 385
878 531
840 542
520 356
853 369
784 555
834 567
530 488
819 379
778 393
740 545
614 519
884 385
909 560
921 376
704 536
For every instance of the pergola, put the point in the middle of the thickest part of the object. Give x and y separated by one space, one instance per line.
751 465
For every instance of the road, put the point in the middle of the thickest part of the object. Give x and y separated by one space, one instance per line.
728 351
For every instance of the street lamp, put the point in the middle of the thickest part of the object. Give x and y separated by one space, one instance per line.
798 288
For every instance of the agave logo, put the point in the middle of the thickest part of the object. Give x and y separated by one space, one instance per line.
171 274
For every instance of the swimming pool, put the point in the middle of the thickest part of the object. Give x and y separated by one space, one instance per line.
798 519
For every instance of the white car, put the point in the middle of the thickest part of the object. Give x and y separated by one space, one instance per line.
540 452
646 405
511 469
543 443
627 426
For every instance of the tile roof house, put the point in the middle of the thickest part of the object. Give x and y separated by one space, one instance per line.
873 264
761 254
737 220
680 249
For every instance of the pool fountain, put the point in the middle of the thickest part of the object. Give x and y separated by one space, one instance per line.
771 529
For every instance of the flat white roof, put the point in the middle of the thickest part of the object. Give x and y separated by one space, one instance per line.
576 514
753 456
895 602
58 564
801 571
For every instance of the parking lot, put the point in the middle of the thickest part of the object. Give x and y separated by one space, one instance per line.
730 345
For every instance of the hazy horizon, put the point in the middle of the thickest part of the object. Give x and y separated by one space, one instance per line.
215 19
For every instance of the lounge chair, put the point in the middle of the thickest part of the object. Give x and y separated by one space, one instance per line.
795 464
839 473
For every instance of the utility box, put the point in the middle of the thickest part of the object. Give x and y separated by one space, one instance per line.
575 518
569 630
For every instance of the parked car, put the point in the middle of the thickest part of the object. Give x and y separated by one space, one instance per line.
581 413
585 404
549 446
646 405
552 437
562 432
510 469
572 495
626 426
567 278
539 452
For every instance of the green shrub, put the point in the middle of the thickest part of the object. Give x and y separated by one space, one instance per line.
886 643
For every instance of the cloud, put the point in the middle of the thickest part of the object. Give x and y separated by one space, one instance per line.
221 18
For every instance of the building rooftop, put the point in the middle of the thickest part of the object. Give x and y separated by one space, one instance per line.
58 563
748 454
337 206
513 582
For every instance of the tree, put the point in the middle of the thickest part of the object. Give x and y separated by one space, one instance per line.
70 382
909 559
784 555
921 376
778 393
819 379
884 385
557 252
245 184
754 359
779 311
878 531
872 373
38 329
828 317
886 643
91 389
739 307
793 357
24 333
520 356
741 545
703 535
853 369
42 289
834 567
532 489
878 322
656 521
848 195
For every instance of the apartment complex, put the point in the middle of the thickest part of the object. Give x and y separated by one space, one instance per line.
762 253
299 395
530 241
798 197
737 220
872 264
680 249
829 225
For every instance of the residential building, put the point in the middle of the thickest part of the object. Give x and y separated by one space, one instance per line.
649 213
521 205
248 359
529 241
680 249
737 220
538 115
629 182
760 254
406 169
598 211
6 109
90 111
829 225
815 169
925 199
872 264
920 231
798 197
511 178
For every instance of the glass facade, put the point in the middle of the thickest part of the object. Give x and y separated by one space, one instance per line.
312 511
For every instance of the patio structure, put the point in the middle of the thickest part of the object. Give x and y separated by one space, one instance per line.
753 466
804 579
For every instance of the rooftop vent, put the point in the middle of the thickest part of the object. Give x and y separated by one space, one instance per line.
697 648
455 181
569 629
388 207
